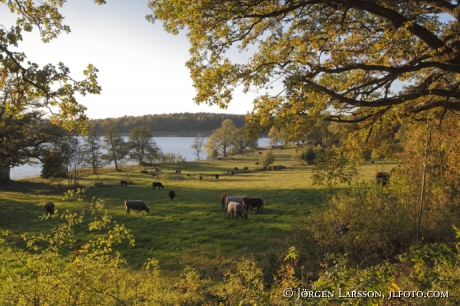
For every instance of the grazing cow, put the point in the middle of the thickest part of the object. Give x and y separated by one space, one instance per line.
236 209
245 168
137 205
260 152
256 163
236 168
232 198
157 184
49 207
253 202
222 199
273 168
172 194
232 172
177 171
372 162
188 175
144 172
200 177
216 176
381 178
123 183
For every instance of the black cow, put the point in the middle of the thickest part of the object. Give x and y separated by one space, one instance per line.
123 183
49 207
172 194
157 184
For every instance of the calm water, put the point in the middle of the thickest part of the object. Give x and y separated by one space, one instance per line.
177 145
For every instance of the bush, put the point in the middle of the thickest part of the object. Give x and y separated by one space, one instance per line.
309 156
267 159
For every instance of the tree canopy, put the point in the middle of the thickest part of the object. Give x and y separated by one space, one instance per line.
358 62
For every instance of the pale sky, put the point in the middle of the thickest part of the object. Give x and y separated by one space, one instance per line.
141 67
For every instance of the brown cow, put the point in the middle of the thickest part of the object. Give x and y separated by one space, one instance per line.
222 199
200 177
49 207
216 176
177 171
144 172
253 202
232 172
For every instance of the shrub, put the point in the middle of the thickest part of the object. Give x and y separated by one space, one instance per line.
267 158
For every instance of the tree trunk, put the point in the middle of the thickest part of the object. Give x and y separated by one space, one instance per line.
5 174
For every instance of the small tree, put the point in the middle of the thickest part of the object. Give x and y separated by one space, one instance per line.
53 167
142 146
92 150
197 145
267 159
116 147
222 138
274 135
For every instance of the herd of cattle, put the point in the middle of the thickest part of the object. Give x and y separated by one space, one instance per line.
234 205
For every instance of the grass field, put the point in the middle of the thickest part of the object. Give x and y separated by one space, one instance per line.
193 229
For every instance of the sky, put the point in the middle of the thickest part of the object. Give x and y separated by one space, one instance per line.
141 67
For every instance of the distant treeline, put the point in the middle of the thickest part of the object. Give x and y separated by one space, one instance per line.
167 122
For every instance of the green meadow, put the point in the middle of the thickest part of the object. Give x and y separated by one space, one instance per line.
192 230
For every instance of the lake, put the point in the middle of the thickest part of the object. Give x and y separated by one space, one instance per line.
177 145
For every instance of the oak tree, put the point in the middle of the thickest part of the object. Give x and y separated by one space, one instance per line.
370 63
26 87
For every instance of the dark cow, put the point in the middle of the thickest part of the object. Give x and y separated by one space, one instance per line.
157 184
273 168
177 171
256 163
200 177
381 178
188 175
144 172
260 152
232 172
172 195
254 203
236 168
245 168
49 207
137 205
123 183
216 176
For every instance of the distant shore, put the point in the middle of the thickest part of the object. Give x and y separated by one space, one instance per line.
189 133
184 133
